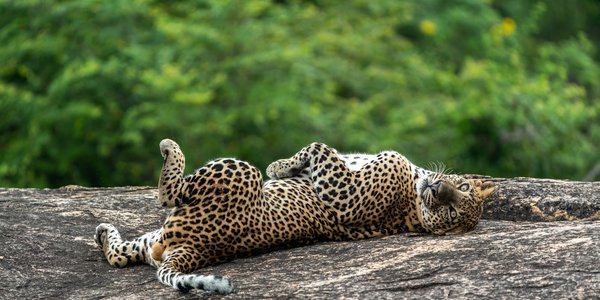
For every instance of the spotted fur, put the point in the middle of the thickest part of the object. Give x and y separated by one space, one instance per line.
386 192
221 212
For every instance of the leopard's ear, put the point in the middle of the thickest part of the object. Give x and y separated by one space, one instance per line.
484 189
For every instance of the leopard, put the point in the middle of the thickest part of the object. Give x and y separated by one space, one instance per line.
224 210
386 192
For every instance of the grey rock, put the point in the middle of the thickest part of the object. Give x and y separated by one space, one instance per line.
47 251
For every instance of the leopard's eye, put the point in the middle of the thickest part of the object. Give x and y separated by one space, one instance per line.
452 212
464 187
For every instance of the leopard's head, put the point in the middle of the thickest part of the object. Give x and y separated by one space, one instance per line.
452 203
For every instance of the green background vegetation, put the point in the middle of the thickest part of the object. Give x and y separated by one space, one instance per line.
88 88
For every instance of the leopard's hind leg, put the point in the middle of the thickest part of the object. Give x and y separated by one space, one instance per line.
121 253
178 260
171 184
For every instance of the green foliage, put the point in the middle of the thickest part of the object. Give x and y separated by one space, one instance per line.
88 88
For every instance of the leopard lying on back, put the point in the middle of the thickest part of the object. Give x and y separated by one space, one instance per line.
224 211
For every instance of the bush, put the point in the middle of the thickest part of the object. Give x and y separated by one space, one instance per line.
89 88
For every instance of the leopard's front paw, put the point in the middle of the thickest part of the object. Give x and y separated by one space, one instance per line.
101 234
282 168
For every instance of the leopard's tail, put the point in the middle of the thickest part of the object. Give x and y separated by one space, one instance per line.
169 275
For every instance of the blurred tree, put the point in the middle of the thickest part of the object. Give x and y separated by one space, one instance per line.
88 88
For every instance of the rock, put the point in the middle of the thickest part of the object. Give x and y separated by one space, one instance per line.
532 199
48 252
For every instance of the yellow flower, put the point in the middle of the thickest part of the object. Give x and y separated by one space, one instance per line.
508 26
427 27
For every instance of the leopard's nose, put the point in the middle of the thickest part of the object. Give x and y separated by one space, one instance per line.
444 192
435 188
